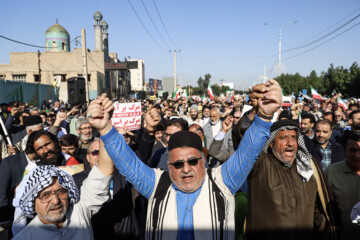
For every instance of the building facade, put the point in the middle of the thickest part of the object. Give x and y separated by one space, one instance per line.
58 64
137 74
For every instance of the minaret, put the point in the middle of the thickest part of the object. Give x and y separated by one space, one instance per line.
98 35
105 37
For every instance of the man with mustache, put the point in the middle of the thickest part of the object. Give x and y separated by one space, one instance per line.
284 190
331 151
194 116
49 196
344 177
190 202
211 131
85 131
47 148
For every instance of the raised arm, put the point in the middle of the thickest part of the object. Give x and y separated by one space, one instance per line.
129 165
99 115
239 165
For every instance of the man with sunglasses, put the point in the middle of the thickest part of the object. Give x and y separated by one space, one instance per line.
237 116
191 202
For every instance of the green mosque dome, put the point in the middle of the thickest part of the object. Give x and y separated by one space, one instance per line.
57 39
98 15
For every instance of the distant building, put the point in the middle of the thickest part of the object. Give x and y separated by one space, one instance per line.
106 73
155 85
137 74
230 85
168 85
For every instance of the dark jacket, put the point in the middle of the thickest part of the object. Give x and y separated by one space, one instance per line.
337 151
11 171
116 219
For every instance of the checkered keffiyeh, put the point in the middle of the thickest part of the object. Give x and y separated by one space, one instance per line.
36 180
303 157
355 214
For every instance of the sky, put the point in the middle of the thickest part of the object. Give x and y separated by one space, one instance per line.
227 38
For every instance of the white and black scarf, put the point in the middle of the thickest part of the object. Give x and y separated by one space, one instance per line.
303 157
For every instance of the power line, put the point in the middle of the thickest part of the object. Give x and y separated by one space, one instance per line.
137 15
153 23
27 44
317 40
330 26
162 22
323 42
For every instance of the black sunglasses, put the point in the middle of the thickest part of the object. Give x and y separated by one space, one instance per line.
94 152
180 164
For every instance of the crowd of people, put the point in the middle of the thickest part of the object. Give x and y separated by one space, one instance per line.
244 167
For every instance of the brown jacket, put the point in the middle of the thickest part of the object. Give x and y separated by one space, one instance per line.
282 205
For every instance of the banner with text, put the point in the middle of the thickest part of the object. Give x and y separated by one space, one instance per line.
127 115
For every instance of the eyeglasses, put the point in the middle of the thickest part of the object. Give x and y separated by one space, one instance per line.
180 164
237 117
85 128
337 115
167 134
46 197
94 152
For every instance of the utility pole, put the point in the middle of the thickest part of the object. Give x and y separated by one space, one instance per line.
84 55
264 78
280 25
175 81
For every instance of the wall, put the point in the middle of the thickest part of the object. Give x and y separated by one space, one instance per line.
32 93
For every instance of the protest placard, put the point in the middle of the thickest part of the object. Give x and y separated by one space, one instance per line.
127 115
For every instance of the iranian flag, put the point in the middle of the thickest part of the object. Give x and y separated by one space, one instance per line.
342 104
333 93
196 98
176 94
185 95
315 94
210 92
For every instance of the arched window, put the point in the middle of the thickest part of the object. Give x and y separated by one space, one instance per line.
63 45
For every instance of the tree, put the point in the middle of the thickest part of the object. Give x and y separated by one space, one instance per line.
203 83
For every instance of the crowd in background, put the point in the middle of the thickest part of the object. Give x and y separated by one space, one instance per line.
60 134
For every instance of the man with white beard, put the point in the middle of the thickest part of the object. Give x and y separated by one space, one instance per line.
83 127
212 130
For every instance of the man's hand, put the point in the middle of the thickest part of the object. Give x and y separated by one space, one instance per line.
13 111
269 97
227 111
227 124
152 119
60 116
294 110
98 114
11 150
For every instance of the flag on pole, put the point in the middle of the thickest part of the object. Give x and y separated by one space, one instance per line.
342 104
315 94
176 94
185 95
300 94
333 93
210 92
